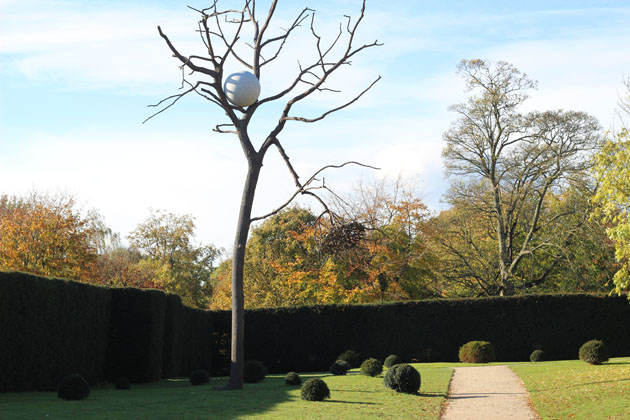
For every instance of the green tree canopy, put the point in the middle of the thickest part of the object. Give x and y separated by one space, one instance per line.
612 171
165 242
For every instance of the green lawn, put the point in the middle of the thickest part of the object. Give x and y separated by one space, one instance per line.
572 389
568 389
353 396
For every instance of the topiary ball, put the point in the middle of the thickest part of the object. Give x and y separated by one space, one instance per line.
477 352
123 383
403 378
73 387
315 389
339 367
292 378
371 367
392 360
594 352
537 356
199 377
350 356
255 371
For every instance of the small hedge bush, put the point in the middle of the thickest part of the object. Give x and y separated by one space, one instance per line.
123 383
371 367
292 378
315 389
477 352
73 387
403 378
255 371
392 360
199 377
352 357
594 352
339 367
537 356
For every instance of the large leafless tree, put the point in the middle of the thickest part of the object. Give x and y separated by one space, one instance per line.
505 166
223 33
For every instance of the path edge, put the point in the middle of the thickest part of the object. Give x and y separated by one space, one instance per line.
530 402
448 392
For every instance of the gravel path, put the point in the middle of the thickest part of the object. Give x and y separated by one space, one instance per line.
487 393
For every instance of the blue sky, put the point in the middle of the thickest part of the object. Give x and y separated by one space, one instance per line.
76 79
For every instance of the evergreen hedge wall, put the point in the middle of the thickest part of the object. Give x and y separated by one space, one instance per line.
309 338
136 335
48 329
187 339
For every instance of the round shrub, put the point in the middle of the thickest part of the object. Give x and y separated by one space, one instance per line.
339 367
371 367
537 356
199 377
315 389
594 352
352 357
73 387
123 383
255 371
392 360
477 352
292 378
403 378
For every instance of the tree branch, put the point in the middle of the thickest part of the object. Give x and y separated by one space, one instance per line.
186 61
325 114
306 189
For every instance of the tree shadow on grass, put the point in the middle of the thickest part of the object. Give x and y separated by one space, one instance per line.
352 402
432 394
580 385
356 390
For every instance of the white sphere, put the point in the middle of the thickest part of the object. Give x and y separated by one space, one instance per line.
242 88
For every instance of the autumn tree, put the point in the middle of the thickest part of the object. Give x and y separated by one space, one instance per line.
285 266
47 235
222 33
613 199
293 257
395 255
613 193
167 251
465 242
504 166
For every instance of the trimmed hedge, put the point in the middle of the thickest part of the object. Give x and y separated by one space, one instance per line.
433 330
49 328
136 335
187 339
52 326
477 352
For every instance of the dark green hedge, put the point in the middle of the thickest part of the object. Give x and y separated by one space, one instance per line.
50 328
187 339
136 335
309 338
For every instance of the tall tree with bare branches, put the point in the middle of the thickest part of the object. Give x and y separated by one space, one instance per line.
222 45
506 167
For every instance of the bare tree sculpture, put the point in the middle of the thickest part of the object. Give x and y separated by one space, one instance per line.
311 78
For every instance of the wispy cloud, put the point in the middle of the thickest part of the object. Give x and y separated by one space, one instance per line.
577 55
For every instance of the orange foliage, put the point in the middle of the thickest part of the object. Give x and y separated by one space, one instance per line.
46 236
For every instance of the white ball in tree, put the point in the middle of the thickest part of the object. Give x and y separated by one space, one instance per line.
242 88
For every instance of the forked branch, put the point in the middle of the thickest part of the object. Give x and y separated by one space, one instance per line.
308 188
